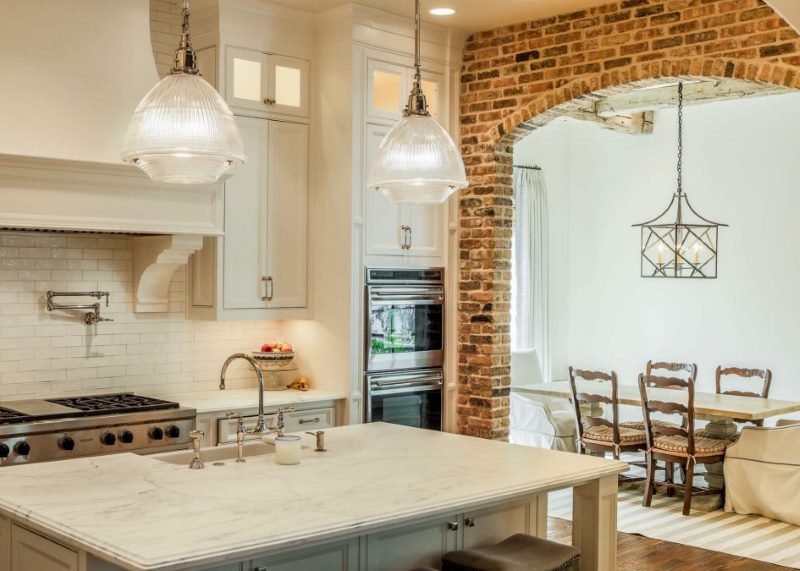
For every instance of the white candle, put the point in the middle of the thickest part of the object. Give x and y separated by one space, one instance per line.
287 449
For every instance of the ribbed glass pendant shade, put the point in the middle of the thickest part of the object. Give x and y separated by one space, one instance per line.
417 162
183 132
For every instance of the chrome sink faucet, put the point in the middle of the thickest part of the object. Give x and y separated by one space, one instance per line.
242 432
261 426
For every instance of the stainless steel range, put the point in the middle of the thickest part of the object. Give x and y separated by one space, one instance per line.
56 429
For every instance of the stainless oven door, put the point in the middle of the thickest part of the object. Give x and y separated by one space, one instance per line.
410 398
404 327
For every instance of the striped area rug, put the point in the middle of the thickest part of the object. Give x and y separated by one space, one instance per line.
754 537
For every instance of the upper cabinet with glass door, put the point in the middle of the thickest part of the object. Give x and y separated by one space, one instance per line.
388 85
265 85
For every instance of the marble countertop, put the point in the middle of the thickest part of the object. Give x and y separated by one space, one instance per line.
143 514
236 399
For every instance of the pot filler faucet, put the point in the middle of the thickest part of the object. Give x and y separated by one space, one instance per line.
261 427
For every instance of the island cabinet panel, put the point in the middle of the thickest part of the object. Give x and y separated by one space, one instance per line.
420 545
5 544
337 557
492 525
32 552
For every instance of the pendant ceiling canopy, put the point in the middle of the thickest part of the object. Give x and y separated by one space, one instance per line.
417 162
679 243
183 131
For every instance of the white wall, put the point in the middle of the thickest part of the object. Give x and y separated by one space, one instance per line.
740 168
45 354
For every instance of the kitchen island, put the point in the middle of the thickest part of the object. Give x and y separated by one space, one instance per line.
383 497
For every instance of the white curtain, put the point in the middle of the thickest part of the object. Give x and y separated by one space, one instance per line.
529 321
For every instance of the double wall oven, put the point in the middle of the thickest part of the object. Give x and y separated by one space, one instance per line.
404 349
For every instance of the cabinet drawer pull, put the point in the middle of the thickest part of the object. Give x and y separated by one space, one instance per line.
261 568
452 525
269 101
309 421
269 288
406 237
469 521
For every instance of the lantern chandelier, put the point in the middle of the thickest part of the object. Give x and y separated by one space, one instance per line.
183 131
417 162
679 243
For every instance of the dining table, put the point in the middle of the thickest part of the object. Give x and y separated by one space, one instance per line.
721 411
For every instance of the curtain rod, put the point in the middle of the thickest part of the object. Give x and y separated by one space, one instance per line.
533 168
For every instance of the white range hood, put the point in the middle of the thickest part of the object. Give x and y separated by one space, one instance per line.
73 72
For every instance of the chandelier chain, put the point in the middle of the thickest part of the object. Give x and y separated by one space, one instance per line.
680 138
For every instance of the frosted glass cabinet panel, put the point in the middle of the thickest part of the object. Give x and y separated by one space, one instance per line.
289 81
246 78
386 90
267 83
389 84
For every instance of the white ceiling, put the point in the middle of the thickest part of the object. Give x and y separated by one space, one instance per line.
471 15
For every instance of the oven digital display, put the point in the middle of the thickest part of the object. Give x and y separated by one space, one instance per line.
405 328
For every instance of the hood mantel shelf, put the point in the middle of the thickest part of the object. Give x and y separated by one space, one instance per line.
76 196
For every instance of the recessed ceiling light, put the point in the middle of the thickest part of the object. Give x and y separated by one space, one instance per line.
442 11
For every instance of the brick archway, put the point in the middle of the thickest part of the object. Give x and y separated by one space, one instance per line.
521 77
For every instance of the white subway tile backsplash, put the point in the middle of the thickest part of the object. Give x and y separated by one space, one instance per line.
53 353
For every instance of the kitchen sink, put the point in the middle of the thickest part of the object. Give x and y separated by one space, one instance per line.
225 453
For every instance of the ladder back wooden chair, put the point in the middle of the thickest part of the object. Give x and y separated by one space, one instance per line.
595 433
674 444
761 379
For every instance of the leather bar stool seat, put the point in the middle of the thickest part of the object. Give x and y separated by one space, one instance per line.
519 552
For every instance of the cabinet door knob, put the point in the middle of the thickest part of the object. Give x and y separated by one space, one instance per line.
469 521
452 525
268 101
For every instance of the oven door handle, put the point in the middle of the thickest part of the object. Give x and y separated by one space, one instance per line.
406 300
391 385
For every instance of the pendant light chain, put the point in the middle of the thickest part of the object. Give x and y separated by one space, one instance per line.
417 44
680 138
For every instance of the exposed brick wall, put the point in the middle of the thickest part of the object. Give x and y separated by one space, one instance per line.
522 76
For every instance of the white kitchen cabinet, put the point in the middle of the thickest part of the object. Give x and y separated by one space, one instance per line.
259 269
32 552
407 230
268 84
220 429
391 550
493 525
336 557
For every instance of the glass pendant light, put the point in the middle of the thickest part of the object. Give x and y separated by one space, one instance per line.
417 162
183 131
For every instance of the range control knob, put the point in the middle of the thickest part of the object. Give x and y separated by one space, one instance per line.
108 439
66 443
173 431
4 451
157 433
126 436
22 448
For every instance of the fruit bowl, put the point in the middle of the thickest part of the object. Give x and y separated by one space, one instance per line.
274 357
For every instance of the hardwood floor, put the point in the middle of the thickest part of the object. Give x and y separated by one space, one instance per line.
637 553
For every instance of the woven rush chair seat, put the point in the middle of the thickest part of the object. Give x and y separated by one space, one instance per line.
605 434
639 424
680 444
519 552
